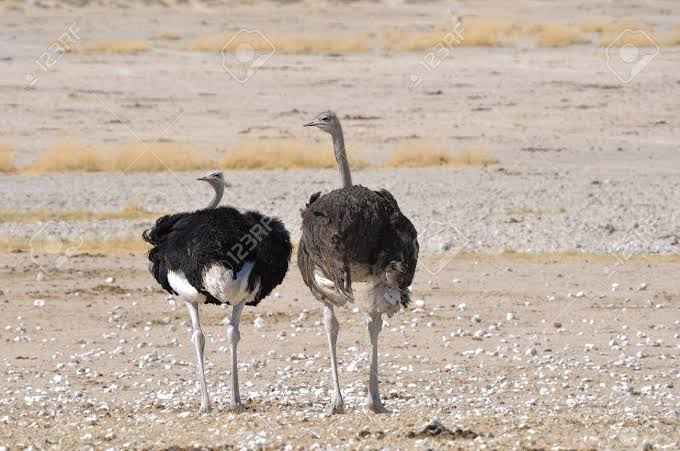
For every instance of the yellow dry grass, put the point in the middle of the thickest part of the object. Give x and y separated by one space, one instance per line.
418 154
474 32
673 39
482 33
606 25
160 156
69 155
282 154
635 38
557 35
285 44
168 36
6 159
119 47
131 244
129 211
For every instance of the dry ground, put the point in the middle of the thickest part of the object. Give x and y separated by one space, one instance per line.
540 352
545 350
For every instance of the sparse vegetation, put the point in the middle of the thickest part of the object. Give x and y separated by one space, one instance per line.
637 39
557 35
673 39
606 25
282 154
160 156
285 44
417 154
119 47
69 155
129 211
168 36
131 244
6 159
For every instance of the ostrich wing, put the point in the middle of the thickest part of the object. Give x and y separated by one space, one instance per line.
354 226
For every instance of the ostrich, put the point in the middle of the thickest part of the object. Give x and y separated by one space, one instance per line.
354 233
218 255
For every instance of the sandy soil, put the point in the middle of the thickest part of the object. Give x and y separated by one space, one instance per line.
527 353
572 344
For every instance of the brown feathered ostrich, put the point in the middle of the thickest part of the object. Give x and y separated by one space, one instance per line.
356 234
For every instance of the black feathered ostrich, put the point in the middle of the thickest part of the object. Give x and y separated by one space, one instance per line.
218 255
354 233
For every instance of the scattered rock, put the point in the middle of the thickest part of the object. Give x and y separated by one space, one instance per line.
436 429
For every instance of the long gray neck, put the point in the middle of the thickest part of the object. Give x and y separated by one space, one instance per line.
219 192
341 157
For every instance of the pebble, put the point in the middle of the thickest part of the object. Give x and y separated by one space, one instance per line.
39 303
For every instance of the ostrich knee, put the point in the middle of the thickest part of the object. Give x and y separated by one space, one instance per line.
233 334
198 339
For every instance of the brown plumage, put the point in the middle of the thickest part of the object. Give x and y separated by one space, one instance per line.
361 228
354 233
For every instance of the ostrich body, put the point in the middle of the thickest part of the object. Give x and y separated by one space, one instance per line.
354 233
218 255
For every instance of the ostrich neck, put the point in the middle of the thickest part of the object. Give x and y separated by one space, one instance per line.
341 158
219 191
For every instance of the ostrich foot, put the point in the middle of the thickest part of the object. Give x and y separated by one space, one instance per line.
377 408
237 408
337 407
205 408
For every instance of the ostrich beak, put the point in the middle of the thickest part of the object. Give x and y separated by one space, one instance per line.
311 124
203 179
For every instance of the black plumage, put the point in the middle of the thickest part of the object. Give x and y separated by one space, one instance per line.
191 242
356 226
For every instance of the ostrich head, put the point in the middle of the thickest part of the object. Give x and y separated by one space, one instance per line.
215 179
326 121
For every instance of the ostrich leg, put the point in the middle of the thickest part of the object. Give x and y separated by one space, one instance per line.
234 335
332 328
375 323
199 342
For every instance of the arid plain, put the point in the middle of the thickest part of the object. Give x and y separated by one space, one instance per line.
534 146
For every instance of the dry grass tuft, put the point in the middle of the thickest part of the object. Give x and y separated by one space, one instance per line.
6 159
673 39
69 155
129 211
119 47
635 39
417 155
168 36
290 44
482 33
161 156
282 154
605 25
557 35
489 33
130 244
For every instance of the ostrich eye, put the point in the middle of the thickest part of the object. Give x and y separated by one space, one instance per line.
324 119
